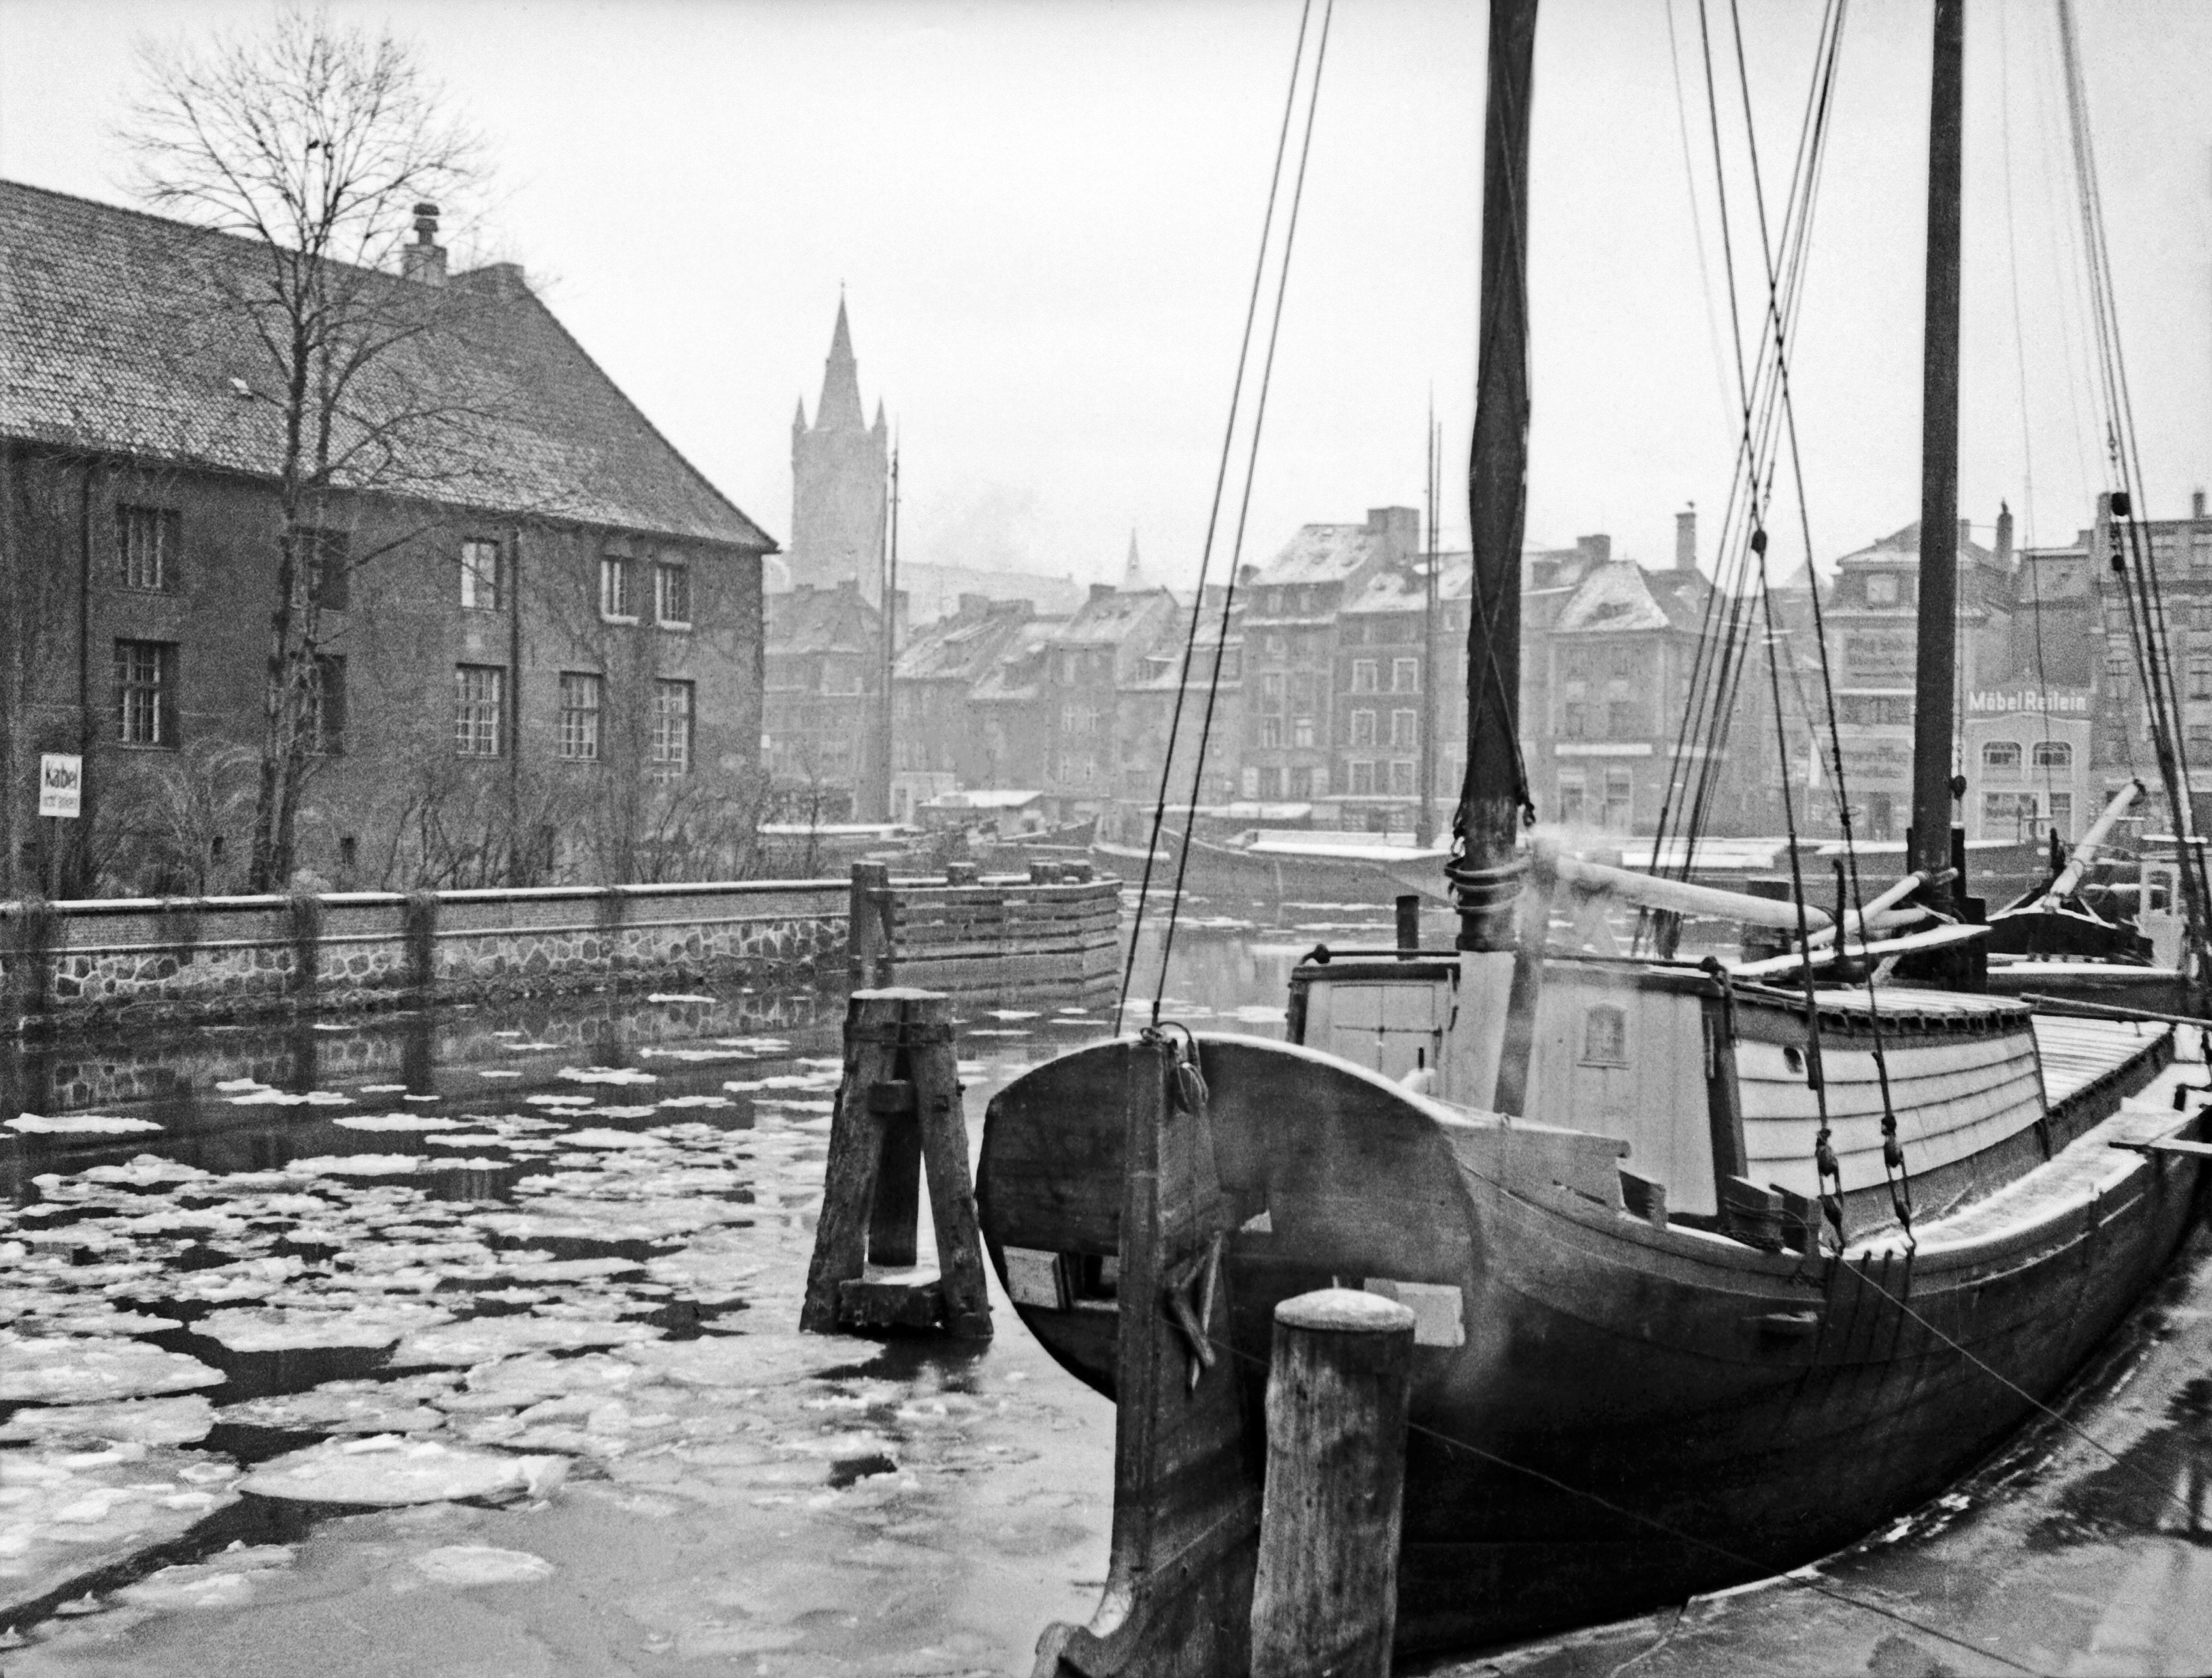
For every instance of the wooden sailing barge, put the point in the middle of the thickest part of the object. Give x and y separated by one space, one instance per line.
1714 1270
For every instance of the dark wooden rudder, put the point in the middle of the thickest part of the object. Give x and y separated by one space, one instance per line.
1186 1460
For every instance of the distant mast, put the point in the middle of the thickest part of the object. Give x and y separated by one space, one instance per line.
1424 814
1485 875
1935 682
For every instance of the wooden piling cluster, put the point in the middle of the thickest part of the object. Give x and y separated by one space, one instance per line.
898 1120
1059 924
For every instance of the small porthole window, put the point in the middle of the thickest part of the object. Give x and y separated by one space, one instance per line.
1605 1036
1794 1058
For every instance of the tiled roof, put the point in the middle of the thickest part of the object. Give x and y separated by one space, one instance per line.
1619 596
1901 545
1403 589
1109 617
118 331
1018 672
958 648
1324 553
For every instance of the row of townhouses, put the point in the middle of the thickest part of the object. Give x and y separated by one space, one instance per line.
1337 685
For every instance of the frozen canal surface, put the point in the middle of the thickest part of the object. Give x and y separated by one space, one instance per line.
464 1344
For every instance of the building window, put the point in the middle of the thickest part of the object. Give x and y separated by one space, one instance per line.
616 599
1574 721
1404 676
1605 1036
1318 786
1881 589
1363 675
2009 816
479 707
1620 719
1619 799
480 576
671 595
1271 690
2000 757
2200 675
672 728
1363 779
1405 730
1573 800
580 716
1363 728
1271 732
2061 809
322 568
2052 755
325 721
1302 731
1402 778
146 692
146 539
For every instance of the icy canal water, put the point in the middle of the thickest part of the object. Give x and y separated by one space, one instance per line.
464 1342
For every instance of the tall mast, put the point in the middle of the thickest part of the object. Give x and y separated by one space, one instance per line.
1486 875
1935 684
1425 816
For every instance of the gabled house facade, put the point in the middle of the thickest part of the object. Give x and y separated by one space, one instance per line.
822 717
540 654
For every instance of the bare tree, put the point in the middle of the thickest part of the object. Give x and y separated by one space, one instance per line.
314 142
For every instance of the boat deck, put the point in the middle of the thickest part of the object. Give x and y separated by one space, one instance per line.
2079 1055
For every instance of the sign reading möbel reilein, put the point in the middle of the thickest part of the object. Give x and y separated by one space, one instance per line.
61 784
2050 701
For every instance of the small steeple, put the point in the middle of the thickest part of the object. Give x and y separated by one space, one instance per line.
839 407
1133 575
799 423
879 426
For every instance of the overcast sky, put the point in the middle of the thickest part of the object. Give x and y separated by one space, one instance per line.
1044 218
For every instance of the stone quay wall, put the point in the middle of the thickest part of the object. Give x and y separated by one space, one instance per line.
212 958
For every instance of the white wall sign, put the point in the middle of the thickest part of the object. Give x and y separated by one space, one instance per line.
61 784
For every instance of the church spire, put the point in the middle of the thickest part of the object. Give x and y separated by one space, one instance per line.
839 407
1133 575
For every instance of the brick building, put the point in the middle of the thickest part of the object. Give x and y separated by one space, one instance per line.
540 647
1106 643
1145 707
1014 724
1289 646
940 743
821 703
1388 698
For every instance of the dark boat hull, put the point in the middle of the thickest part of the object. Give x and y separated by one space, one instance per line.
1635 1412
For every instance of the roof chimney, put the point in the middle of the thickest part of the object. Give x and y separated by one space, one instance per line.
1965 532
1400 527
1686 539
2195 503
2004 534
425 259
1102 591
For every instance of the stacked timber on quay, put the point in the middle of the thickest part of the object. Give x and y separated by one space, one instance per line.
1057 924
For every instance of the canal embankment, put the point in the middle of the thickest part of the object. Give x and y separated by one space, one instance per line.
109 961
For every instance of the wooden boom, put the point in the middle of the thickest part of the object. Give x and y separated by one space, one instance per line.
2069 877
1650 892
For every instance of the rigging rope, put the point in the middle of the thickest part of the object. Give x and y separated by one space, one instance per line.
1243 512
1213 518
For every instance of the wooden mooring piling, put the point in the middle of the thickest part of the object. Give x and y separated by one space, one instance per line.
897 1121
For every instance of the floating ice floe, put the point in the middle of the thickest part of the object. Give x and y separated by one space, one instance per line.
386 1470
694 1100
607 1075
560 1100
266 1096
496 1071
382 1089
397 1122
481 1339
355 1165
421 1097
146 1170
1010 1013
464 1566
344 1407
295 1329
224 1581
78 1124
145 1421
611 1113
65 1513
659 996
474 1138
75 1370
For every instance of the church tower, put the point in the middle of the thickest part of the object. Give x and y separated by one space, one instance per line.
839 467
